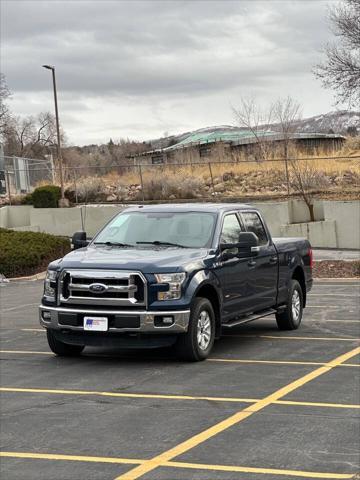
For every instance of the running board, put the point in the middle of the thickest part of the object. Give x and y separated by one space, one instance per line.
250 318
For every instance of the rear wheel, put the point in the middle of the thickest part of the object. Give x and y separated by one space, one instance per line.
290 318
62 349
197 342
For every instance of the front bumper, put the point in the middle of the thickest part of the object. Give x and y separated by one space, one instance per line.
143 321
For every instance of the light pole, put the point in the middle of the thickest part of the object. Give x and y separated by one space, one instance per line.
50 67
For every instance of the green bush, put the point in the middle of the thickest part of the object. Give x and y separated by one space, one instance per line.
46 196
27 199
27 253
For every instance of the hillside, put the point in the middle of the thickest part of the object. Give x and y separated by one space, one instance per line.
333 122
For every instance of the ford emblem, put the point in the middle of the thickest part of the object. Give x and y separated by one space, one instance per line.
98 288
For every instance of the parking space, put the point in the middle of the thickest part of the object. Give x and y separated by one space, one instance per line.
266 405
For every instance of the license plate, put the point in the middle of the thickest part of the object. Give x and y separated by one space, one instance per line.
96 324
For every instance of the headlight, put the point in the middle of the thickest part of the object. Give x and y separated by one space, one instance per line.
50 284
174 282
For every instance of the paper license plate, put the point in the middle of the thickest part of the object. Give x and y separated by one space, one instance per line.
96 324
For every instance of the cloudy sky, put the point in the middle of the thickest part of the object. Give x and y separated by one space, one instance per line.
139 69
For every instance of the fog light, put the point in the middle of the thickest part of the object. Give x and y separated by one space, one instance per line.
46 316
163 321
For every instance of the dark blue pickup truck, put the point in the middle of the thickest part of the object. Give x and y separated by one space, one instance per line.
177 275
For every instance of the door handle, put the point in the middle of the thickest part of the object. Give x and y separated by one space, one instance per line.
273 260
251 263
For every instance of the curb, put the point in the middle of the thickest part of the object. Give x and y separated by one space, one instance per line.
37 276
337 279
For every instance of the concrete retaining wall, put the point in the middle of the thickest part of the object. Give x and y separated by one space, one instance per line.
275 214
347 218
299 212
338 224
320 234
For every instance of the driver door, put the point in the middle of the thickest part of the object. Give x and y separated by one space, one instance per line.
233 272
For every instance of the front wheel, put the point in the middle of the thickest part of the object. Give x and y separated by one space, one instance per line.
62 349
196 344
290 318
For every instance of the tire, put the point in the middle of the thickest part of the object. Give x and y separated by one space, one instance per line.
196 344
62 349
290 318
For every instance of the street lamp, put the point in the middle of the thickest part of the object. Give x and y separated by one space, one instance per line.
50 67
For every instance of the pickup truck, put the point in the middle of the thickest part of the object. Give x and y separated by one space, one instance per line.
174 275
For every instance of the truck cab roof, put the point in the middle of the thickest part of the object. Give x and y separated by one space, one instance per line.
193 207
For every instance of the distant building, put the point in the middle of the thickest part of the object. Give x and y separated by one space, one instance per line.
236 144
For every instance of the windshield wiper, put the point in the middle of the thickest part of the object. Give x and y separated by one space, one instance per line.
165 244
114 244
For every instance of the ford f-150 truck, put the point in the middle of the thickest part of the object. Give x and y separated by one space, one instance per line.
179 275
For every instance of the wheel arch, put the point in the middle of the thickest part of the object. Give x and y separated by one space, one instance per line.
299 275
209 292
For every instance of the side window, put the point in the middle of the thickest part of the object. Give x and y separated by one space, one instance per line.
231 229
254 224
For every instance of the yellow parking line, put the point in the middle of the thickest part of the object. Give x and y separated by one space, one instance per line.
127 395
71 458
325 321
270 471
287 337
33 330
276 362
223 360
170 397
195 466
332 295
210 432
29 352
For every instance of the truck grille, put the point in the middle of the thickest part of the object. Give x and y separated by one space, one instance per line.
102 287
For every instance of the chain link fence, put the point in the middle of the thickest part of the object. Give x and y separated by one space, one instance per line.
140 182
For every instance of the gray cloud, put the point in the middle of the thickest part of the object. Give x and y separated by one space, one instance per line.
136 58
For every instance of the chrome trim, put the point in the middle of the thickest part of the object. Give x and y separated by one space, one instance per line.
101 276
180 325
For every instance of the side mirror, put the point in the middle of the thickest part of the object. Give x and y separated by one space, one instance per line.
79 240
247 246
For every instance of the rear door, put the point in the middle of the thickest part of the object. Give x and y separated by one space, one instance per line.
263 268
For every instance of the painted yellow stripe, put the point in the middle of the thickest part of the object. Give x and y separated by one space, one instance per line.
287 337
127 395
332 295
71 458
33 330
224 360
170 397
270 471
30 352
201 437
195 466
276 362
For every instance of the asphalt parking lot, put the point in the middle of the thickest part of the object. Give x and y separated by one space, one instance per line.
267 405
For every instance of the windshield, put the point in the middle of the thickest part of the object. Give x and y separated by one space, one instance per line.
187 229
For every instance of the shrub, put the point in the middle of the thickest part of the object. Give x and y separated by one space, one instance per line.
46 196
27 199
89 189
26 253
163 187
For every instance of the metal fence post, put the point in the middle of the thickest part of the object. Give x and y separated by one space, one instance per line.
8 185
75 186
212 178
142 183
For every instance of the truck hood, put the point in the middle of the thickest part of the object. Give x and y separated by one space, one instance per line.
147 260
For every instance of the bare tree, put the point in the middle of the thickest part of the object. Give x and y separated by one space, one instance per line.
287 114
4 109
30 136
251 117
341 70
305 180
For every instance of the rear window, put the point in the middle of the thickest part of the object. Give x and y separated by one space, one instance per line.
254 224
